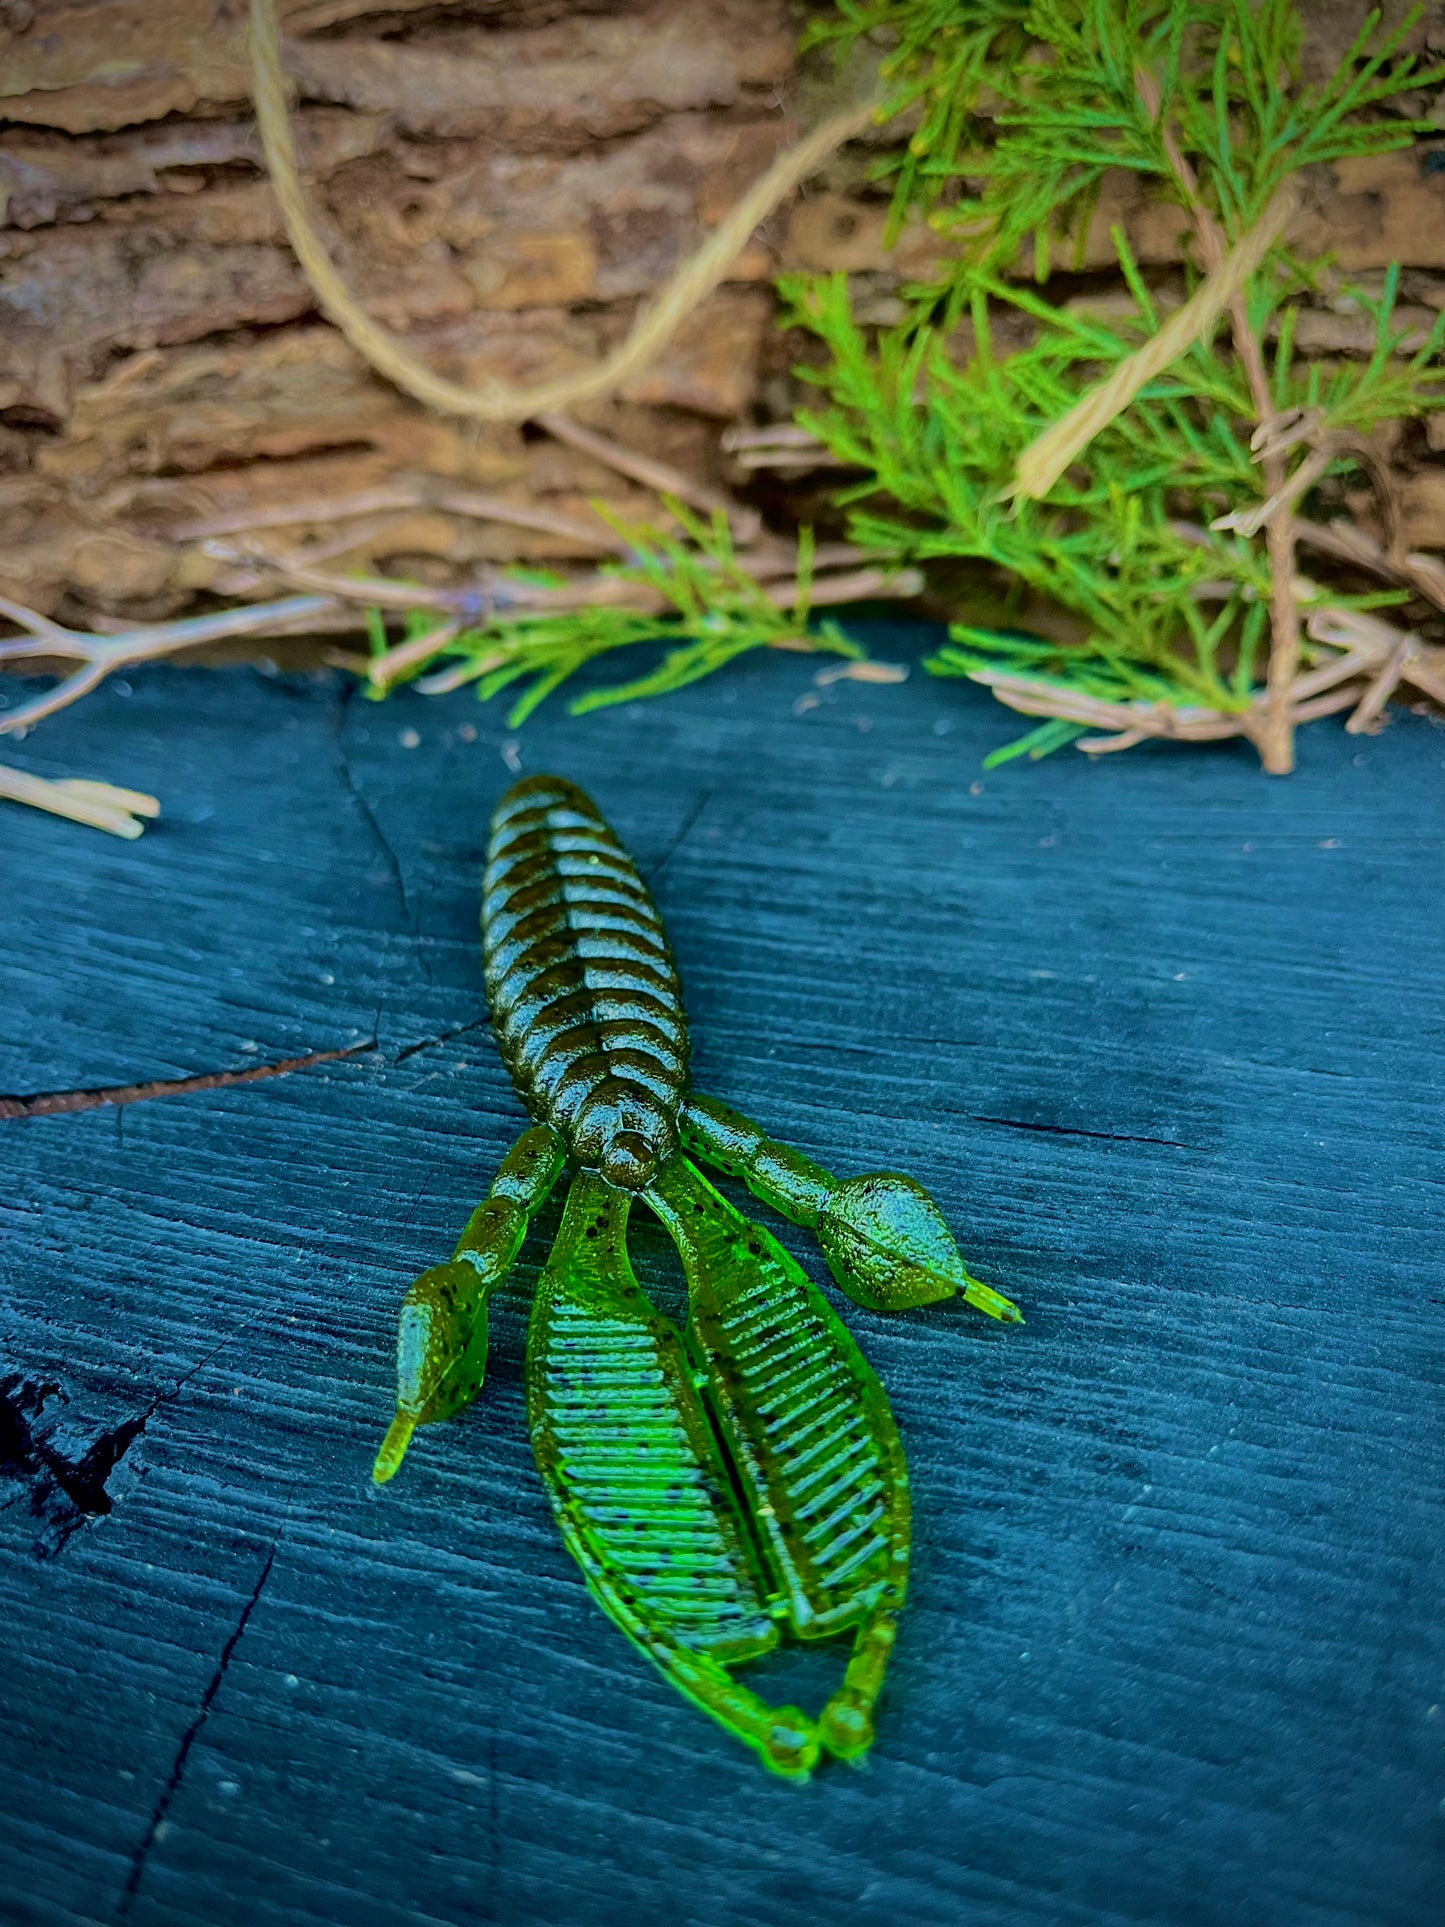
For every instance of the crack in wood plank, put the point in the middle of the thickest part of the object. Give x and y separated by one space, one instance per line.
168 1792
373 823
1070 1130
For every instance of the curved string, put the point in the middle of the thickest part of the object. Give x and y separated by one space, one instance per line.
498 401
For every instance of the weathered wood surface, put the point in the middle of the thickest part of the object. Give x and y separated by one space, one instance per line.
1163 1036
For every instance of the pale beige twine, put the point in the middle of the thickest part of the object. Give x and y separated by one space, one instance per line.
1044 461
495 400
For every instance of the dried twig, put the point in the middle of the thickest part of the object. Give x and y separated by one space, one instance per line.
1348 542
423 493
100 655
745 523
1271 442
739 440
787 446
334 508
495 592
1369 648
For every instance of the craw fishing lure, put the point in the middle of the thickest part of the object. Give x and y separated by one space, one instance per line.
741 1479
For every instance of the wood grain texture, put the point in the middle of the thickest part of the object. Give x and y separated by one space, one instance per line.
1162 1036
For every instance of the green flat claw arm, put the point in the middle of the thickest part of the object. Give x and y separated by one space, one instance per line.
441 1340
885 1239
809 1433
640 1493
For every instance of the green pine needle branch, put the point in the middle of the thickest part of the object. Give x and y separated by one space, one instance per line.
711 610
1023 111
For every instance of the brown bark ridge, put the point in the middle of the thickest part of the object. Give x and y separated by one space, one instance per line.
502 186
503 183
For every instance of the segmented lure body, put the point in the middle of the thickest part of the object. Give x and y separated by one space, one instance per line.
580 982
743 1478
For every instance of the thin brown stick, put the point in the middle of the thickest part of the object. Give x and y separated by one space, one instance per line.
662 477
773 435
443 681
1374 644
790 462
369 535
1249 522
1276 736
423 494
49 1103
496 592
595 537
1106 745
1379 692
334 508
764 564
609 592
1348 542
374 591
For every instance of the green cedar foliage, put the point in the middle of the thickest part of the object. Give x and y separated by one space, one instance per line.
1203 101
713 610
1021 110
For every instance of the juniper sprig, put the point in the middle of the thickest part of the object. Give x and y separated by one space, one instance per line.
1170 539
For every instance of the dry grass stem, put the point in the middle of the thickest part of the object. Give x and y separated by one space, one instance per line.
100 805
1045 460
471 504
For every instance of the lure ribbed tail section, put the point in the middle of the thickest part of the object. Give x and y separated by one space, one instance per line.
637 1483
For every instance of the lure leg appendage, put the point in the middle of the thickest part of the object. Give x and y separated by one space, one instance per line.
441 1340
885 1239
807 1426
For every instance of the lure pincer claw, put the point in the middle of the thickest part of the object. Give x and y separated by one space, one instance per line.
441 1355
889 1248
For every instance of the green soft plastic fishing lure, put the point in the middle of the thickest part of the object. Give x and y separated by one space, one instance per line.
744 1478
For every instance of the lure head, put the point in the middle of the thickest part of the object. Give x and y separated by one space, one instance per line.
624 1132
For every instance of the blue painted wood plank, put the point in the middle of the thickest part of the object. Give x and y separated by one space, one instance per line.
1163 1036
